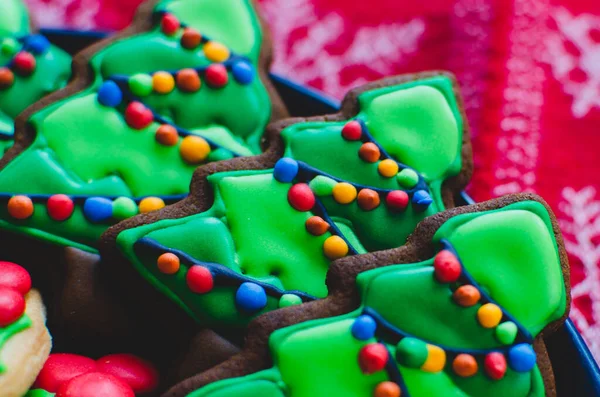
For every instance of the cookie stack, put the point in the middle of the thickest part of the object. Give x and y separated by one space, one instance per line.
319 256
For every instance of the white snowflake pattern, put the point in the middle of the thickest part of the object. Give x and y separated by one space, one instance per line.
573 52
53 14
379 48
581 228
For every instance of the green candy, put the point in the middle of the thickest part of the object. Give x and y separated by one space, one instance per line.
407 178
411 352
219 154
9 46
289 300
506 332
38 393
140 84
322 185
124 208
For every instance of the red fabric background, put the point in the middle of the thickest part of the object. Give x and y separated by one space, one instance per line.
529 71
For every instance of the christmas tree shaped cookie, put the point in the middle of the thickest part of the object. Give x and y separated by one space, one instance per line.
461 313
185 85
30 67
259 233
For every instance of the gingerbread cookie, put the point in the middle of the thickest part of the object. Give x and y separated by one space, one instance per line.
259 233
461 310
24 339
30 67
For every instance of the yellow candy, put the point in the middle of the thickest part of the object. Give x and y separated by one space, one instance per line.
489 315
436 359
216 52
163 82
344 193
194 149
151 204
335 247
388 168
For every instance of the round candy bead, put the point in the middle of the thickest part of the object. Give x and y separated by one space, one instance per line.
169 24
243 72
166 135
506 332
387 389
287 300
421 200
489 315
9 46
149 204
465 365
301 197
368 199
60 368
466 295
37 43
124 208
285 170
216 75
60 207
322 185
436 359
138 116
12 306
335 247
140 84
168 263
316 225
97 209
15 277
397 200
188 80
20 207
139 374
24 63
352 131
199 279
7 78
495 365
109 94
411 352
250 297
190 38
194 149
369 152
521 358
407 178
387 168
163 82
216 52
364 327
95 384
446 267
372 358
344 193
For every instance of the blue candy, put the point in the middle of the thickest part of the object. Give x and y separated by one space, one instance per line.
37 44
109 94
243 72
421 200
521 358
364 327
250 297
285 170
97 209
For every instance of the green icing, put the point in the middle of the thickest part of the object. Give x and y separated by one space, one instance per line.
320 357
9 331
253 230
84 148
14 19
38 393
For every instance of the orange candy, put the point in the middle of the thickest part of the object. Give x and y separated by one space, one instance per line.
7 78
188 80
20 207
316 225
168 263
190 38
465 365
166 135
194 149
387 389
369 152
163 82
466 295
150 204
368 199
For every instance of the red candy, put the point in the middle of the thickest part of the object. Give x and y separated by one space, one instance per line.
397 200
137 373
373 357
12 306
352 131
301 197
216 75
95 384
495 365
60 207
169 24
446 266
24 63
15 277
199 279
61 368
138 116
